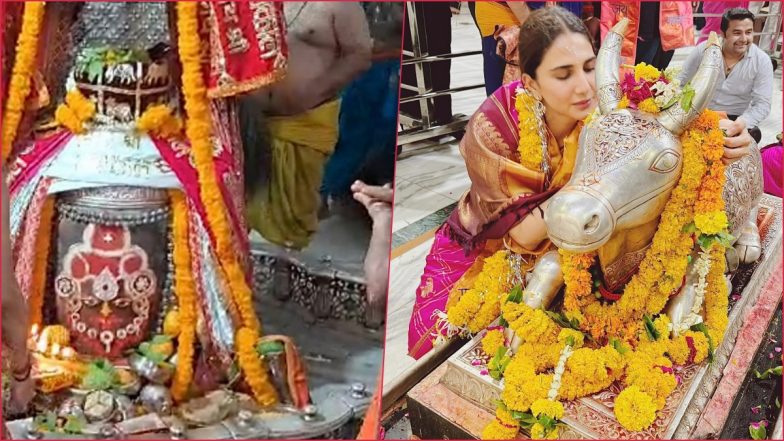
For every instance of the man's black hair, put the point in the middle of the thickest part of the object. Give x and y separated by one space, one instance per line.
735 14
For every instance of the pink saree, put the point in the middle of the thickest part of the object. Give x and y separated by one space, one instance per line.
773 169
502 193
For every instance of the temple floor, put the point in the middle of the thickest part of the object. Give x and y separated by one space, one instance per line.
337 351
429 181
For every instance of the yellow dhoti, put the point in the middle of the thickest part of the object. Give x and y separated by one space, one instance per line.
286 210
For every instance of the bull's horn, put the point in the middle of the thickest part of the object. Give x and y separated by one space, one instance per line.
608 61
675 119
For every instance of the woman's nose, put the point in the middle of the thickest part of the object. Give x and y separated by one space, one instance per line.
583 84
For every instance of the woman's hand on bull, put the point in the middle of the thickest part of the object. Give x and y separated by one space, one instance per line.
737 141
531 231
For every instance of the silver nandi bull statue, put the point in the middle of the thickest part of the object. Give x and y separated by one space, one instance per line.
627 166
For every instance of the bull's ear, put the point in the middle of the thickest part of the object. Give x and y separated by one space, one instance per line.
677 118
608 62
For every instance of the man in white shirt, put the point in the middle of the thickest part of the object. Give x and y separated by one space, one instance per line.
746 84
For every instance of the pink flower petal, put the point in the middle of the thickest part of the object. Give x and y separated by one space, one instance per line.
476 362
756 409
484 372
777 349
770 355
755 425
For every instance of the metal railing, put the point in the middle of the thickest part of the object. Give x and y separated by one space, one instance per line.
771 28
414 129
424 127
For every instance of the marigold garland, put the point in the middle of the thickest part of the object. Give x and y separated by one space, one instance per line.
522 385
643 71
160 120
185 290
634 409
255 372
648 105
553 409
647 366
504 426
21 76
75 112
539 432
480 305
530 144
198 130
589 371
531 325
664 264
716 297
492 341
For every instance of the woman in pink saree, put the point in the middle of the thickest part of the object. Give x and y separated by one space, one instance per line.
503 207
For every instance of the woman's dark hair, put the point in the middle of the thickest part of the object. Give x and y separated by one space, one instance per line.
539 31
734 14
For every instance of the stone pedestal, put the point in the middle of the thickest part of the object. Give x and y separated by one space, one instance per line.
457 400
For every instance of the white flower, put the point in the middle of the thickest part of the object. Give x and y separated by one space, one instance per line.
665 92
672 72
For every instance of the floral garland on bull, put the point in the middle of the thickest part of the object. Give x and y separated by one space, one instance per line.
593 342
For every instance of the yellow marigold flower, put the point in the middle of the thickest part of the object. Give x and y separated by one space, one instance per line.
253 369
646 72
624 103
711 223
538 432
68 119
662 325
172 127
83 108
700 343
159 120
171 323
553 409
679 351
530 143
504 426
543 355
648 105
634 409
522 385
492 341
577 337
655 382
591 116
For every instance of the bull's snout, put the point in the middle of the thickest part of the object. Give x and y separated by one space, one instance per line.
578 222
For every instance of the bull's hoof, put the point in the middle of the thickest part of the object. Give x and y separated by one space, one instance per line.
749 245
733 261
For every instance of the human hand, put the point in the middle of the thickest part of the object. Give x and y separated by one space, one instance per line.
737 140
732 128
377 201
22 392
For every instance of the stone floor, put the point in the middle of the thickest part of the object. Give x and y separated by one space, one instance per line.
429 184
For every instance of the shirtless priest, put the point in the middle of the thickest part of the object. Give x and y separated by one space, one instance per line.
329 45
